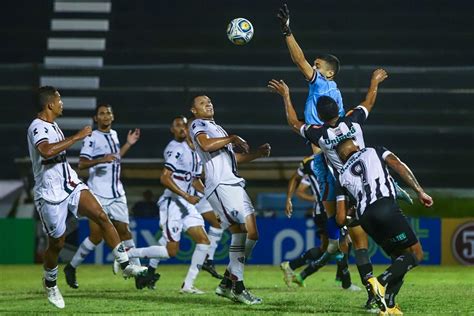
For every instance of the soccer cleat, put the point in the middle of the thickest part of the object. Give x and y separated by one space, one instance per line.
379 293
116 267
148 280
224 292
191 290
392 311
298 280
371 306
246 297
208 266
54 295
133 271
288 273
352 288
70 273
402 194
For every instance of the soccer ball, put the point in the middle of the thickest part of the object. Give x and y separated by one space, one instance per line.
240 31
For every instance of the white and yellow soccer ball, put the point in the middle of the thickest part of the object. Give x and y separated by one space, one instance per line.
240 31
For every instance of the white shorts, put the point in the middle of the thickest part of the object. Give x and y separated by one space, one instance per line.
54 215
203 206
115 208
176 216
231 203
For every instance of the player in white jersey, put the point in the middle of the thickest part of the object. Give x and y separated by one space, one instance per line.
101 153
58 190
225 191
364 176
178 213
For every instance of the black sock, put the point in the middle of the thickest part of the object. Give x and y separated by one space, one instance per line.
123 265
345 275
399 267
226 281
364 266
50 283
312 254
313 267
151 270
239 287
392 290
209 262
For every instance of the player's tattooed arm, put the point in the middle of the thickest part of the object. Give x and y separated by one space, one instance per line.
262 151
208 144
409 178
48 150
168 182
296 53
290 190
280 87
132 138
378 76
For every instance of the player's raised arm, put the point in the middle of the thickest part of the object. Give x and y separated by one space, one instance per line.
290 190
132 138
280 87
48 150
296 52
408 177
378 76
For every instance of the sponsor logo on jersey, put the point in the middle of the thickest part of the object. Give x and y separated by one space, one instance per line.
340 138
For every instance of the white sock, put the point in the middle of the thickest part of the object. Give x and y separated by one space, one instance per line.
215 235
86 246
249 245
237 256
159 252
155 261
199 255
129 244
120 254
51 275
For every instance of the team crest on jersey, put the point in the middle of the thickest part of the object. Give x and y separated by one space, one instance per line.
338 132
234 213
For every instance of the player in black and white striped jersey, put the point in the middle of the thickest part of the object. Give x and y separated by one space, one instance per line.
365 177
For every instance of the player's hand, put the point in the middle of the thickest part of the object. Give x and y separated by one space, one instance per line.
241 143
264 150
425 199
133 136
279 86
192 199
108 158
379 75
83 133
284 18
289 208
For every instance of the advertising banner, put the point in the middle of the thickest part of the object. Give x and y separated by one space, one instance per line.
281 239
458 241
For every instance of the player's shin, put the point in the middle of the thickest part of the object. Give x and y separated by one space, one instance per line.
392 290
121 255
400 266
237 260
130 244
159 252
199 255
215 235
84 249
364 266
50 276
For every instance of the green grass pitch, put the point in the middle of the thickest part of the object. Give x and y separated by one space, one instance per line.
428 290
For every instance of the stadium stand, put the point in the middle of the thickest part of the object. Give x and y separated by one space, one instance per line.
152 62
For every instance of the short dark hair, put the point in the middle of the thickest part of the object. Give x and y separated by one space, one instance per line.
194 96
100 105
44 95
327 108
332 61
181 117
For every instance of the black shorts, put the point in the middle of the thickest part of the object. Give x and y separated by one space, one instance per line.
384 221
320 221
